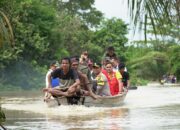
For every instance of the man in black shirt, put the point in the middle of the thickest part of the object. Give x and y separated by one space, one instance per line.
125 75
69 80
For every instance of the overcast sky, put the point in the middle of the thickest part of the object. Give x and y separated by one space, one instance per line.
118 9
113 8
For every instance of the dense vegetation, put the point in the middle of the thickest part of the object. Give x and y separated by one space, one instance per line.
35 32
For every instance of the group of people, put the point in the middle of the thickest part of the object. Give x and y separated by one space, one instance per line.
170 78
80 76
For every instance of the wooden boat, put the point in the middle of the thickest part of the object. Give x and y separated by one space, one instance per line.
104 101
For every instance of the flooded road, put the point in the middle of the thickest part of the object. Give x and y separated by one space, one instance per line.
147 108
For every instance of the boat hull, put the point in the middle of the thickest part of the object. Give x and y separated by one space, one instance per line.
106 101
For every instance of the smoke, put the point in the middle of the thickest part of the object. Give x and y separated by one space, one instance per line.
22 74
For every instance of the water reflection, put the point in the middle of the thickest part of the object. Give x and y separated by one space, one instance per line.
106 118
148 108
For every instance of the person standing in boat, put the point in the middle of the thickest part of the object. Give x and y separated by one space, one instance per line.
114 79
68 78
110 53
102 86
125 76
83 64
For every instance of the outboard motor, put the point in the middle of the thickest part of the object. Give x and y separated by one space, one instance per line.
73 100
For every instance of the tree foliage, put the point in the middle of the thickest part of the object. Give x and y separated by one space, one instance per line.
44 31
160 12
111 32
47 30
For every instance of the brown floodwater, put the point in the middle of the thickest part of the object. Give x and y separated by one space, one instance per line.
152 107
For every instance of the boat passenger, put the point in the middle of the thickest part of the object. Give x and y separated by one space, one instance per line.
85 85
54 82
115 61
102 86
125 75
104 62
114 79
110 52
68 77
83 64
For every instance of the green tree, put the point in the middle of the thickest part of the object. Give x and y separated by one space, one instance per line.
174 58
6 33
73 36
42 34
160 12
111 32
83 9
33 22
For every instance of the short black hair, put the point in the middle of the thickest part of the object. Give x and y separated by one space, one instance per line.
121 66
75 58
110 48
52 63
66 58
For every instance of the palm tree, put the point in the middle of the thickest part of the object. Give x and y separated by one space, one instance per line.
160 12
6 33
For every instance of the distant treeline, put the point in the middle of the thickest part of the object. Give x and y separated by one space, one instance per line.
45 31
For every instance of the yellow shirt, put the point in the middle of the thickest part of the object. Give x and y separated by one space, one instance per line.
100 80
118 75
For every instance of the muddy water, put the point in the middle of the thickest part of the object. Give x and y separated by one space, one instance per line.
150 107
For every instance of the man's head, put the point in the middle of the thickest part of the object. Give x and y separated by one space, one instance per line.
74 63
115 61
96 68
110 50
53 65
121 67
84 55
65 63
109 67
105 60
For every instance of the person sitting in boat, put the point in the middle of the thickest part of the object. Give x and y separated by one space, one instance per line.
102 86
54 82
104 62
114 79
68 78
85 87
115 61
125 75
